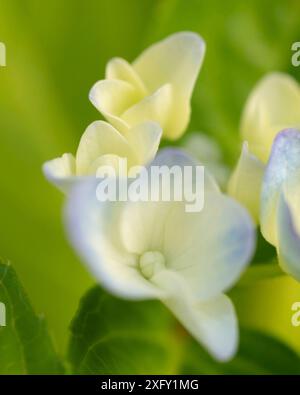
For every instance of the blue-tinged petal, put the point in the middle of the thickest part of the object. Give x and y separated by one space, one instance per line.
215 247
179 157
288 239
93 229
283 165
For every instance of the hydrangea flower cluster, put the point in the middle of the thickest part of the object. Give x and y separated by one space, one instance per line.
155 249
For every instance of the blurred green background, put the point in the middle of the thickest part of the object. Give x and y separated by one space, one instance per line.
56 50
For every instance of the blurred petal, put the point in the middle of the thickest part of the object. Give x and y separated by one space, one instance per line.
152 108
176 60
215 248
100 138
143 224
283 166
112 98
93 230
208 152
120 69
273 105
202 147
178 157
245 182
144 140
288 239
104 161
61 172
212 323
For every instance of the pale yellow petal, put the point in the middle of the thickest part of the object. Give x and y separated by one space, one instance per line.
273 105
111 161
155 107
112 98
144 140
245 182
120 69
175 60
100 138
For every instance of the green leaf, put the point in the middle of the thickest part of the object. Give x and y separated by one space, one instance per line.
25 345
258 354
113 336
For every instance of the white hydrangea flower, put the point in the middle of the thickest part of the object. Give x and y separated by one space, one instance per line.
157 250
103 145
157 86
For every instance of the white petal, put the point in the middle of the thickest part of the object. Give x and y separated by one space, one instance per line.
273 105
100 138
212 323
155 107
93 230
214 247
112 98
283 164
245 182
143 223
176 60
288 239
120 69
61 172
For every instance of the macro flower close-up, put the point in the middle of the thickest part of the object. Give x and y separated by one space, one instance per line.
150 194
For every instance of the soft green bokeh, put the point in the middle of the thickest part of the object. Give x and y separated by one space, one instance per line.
56 50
